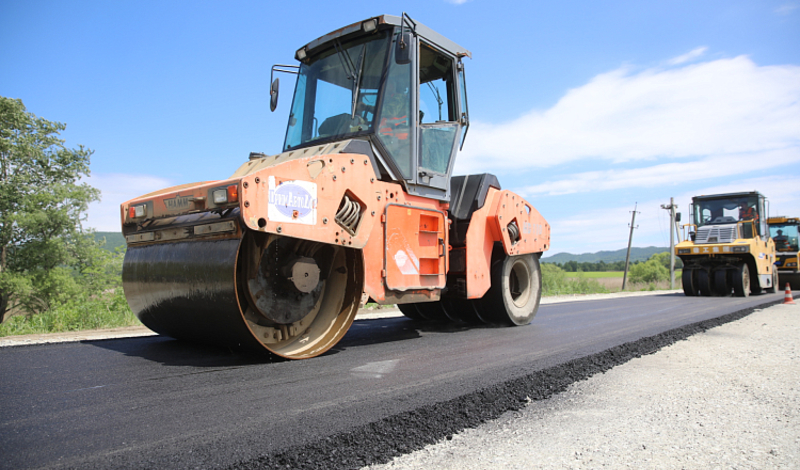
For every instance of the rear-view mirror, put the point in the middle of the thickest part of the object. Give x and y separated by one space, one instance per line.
273 95
402 54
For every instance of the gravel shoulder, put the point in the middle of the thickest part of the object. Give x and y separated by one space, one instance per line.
725 398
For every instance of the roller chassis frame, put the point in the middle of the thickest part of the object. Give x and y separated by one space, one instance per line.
362 205
389 221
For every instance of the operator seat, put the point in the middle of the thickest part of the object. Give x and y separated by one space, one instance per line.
467 194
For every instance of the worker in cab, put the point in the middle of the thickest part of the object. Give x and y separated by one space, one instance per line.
747 212
394 116
781 241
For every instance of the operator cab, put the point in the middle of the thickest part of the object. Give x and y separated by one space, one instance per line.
784 231
391 83
727 217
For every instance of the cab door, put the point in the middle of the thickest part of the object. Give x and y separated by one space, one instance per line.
437 115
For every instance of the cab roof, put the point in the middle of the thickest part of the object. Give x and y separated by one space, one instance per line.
420 29
729 195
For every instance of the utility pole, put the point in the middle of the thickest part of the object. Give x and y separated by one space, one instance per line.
671 208
630 240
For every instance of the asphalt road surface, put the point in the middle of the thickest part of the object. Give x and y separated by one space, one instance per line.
391 386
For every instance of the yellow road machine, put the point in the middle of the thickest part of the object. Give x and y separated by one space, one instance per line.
784 231
728 247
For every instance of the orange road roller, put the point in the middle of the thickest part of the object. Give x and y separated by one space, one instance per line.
359 205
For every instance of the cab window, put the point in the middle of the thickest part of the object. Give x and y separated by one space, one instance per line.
437 109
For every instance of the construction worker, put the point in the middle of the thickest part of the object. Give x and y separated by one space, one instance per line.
394 124
394 115
747 212
781 241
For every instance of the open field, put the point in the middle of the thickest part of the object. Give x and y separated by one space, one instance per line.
612 280
595 274
609 274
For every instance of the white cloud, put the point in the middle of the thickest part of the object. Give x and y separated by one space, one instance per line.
786 8
782 192
104 216
714 108
657 131
457 2
665 174
693 54
607 229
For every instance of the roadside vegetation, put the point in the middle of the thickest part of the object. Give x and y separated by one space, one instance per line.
555 281
653 274
54 274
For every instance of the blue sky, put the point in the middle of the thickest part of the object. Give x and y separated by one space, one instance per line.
585 108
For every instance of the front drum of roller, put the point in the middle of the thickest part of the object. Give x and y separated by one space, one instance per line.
207 291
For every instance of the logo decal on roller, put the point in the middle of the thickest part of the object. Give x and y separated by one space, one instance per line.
177 202
293 201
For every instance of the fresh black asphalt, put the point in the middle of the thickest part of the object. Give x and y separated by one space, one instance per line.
390 387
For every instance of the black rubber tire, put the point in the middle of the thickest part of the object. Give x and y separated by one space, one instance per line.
410 311
483 310
689 280
774 288
704 282
722 287
513 299
432 311
741 281
461 311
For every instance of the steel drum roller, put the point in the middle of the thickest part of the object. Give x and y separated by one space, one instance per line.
215 291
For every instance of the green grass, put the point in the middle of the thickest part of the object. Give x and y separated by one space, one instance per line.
595 274
557 282
107 311
608 274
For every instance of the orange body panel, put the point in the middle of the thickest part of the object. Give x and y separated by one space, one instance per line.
317 185
489 225
416 250
404 238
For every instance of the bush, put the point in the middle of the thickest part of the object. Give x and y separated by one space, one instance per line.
108 310
650 271
556 282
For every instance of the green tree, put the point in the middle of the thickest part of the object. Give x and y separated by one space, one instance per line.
651 270
663 258
45 254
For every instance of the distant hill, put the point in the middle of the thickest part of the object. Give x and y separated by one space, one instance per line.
637 254
113 239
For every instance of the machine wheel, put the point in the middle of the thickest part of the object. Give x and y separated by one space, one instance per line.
301 297
704 282
410 311
513 299
741 281
774 288
462 310
722 287
432 311
689 282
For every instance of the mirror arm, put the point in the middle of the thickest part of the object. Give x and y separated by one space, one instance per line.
273 89
411 24
465 112
277 68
